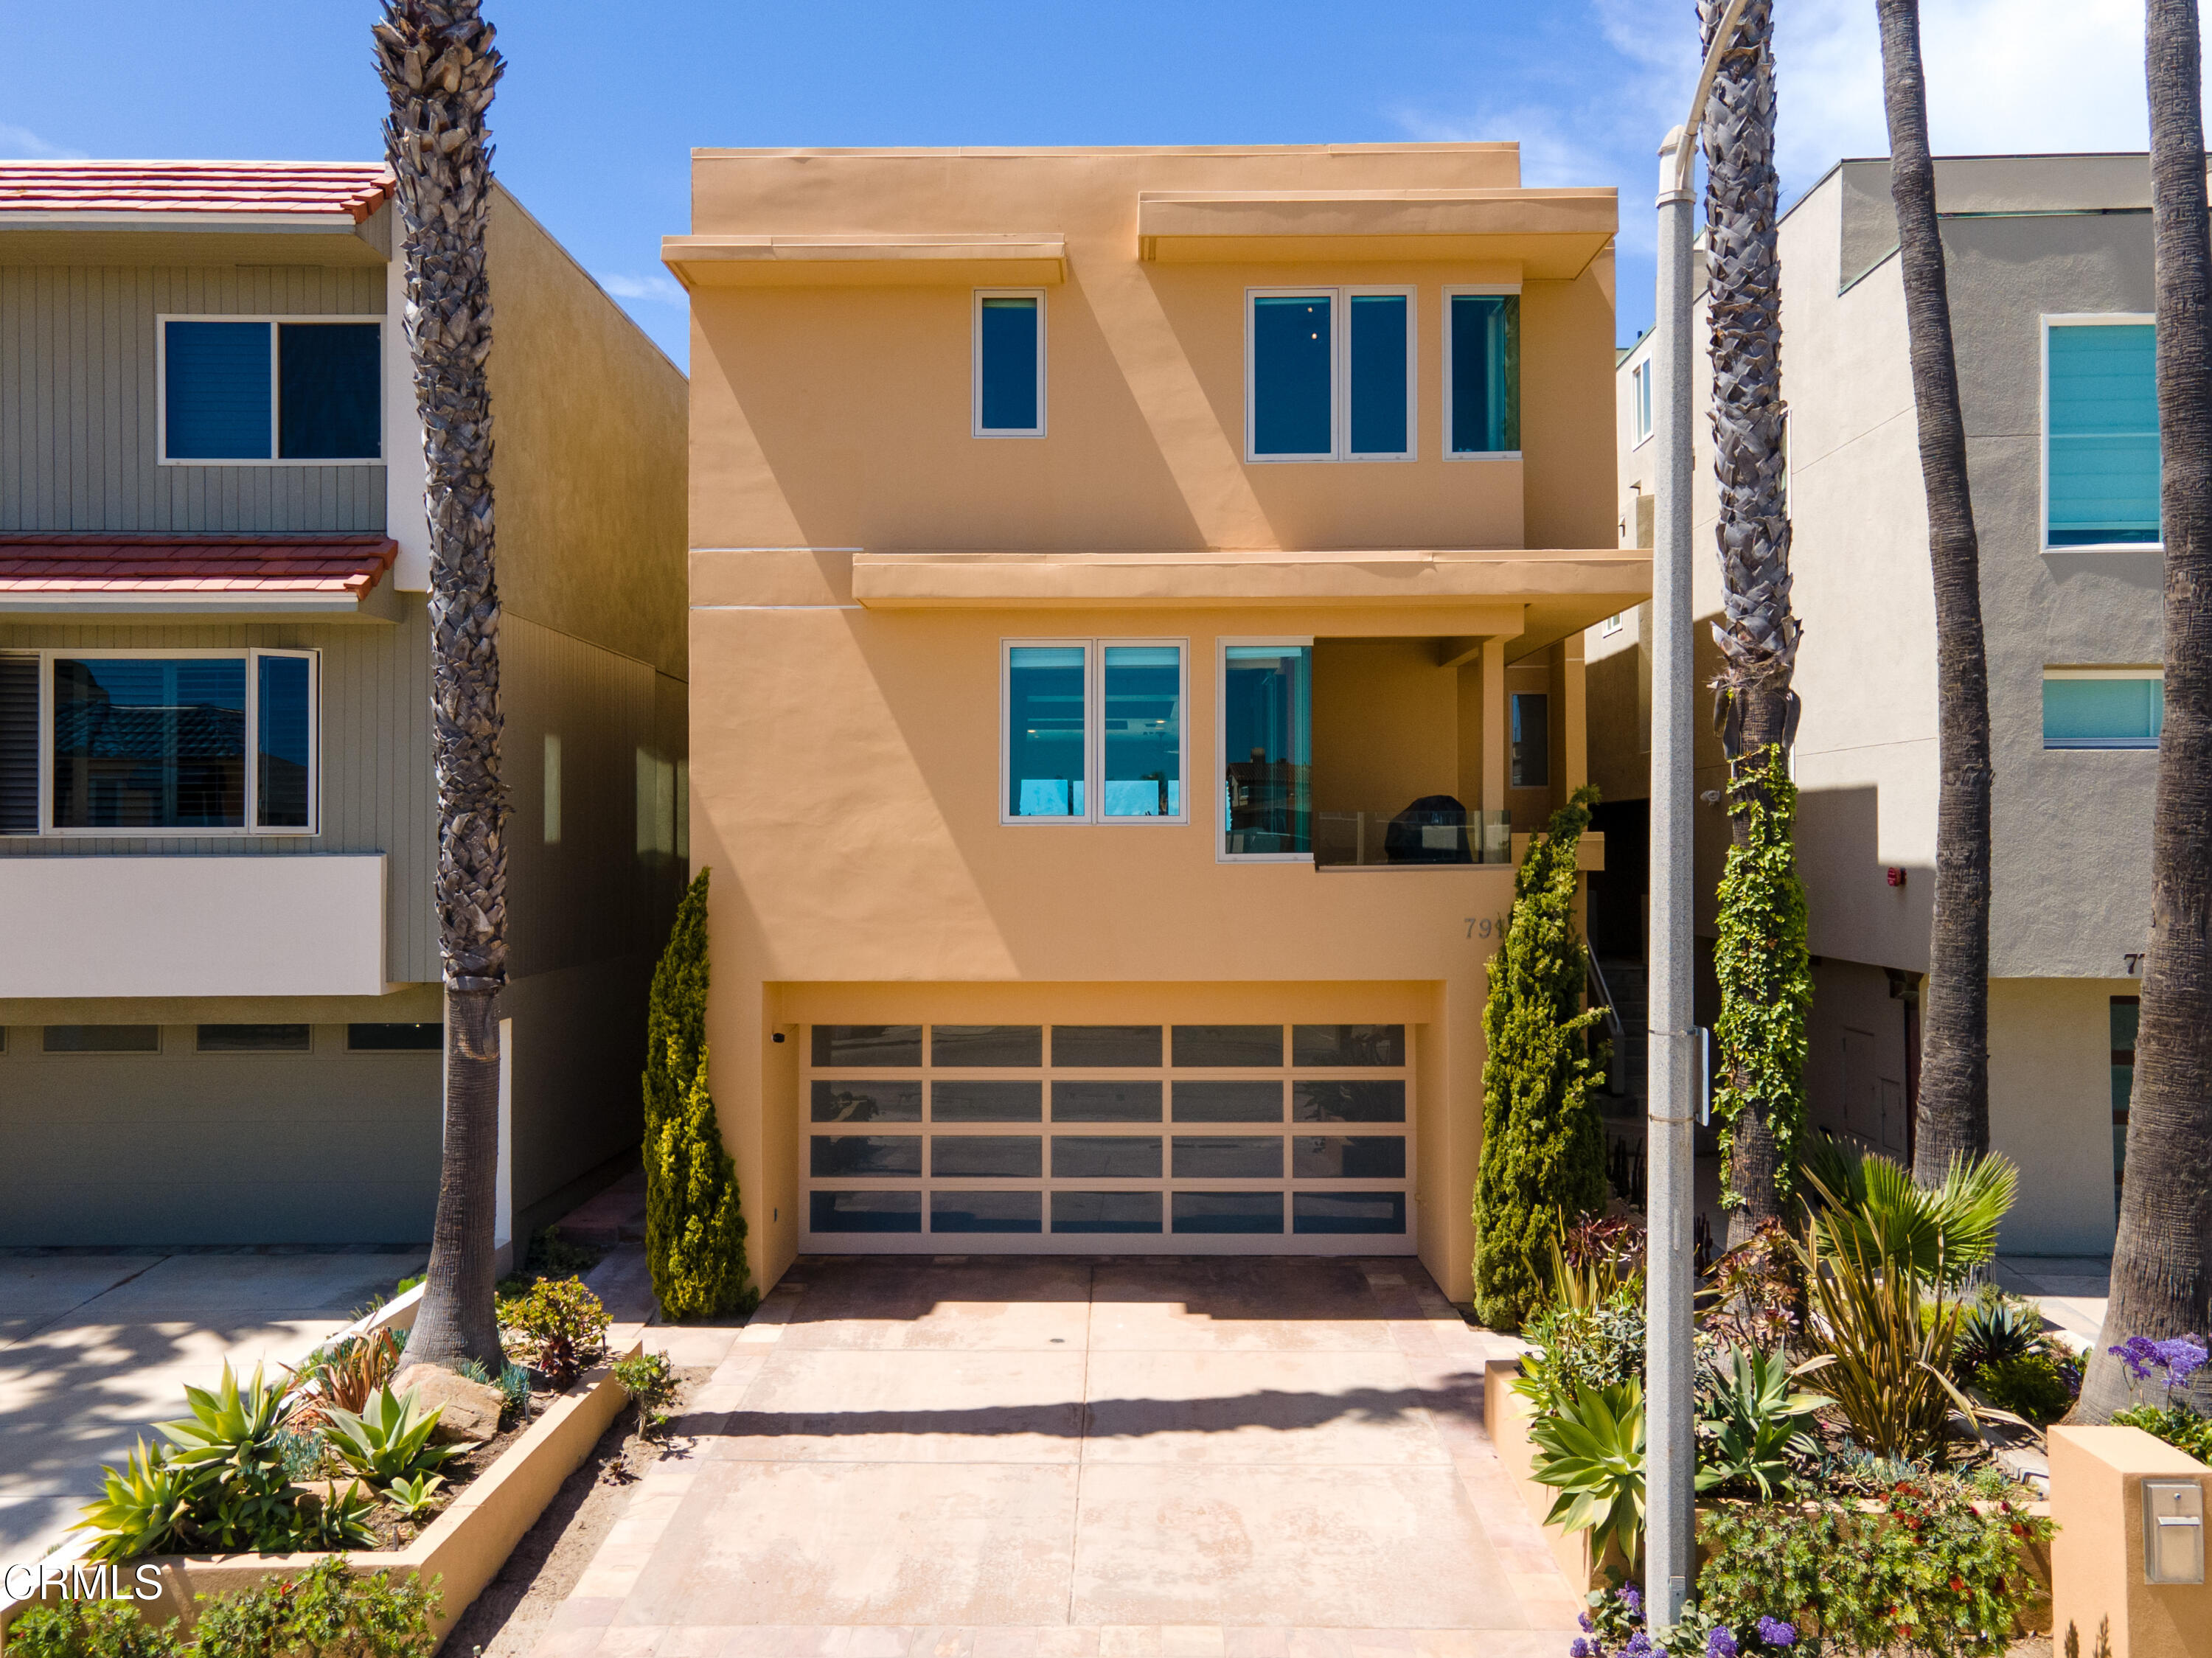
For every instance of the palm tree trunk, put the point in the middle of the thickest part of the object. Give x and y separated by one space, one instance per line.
2162 1258
1954 1118
439 68
1758 636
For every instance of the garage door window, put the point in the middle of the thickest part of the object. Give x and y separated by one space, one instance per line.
1287 1137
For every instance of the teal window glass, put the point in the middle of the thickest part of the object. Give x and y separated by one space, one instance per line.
1531 740
864 1212
330 405
1267 694
1293 380
149 742
2103 713
1379 326
1006 365
1143 698
216 398
1045 694
2102 457
1483 396
283 743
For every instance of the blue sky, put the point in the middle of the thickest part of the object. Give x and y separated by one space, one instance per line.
602 102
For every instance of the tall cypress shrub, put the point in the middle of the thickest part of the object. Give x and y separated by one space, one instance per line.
1543 1149
695 1226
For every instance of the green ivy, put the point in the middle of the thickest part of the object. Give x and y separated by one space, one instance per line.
695 1222
1543 1148
1765 972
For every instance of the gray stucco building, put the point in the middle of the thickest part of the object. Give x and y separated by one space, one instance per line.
2051 286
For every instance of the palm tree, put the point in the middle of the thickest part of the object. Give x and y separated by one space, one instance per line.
2162 1259
1954 1112
439 67
1758 634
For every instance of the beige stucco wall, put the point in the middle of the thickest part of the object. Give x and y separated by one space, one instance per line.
2051 1109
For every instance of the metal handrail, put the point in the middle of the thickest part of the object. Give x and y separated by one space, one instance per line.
1596 977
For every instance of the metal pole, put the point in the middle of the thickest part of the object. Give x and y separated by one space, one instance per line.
1670 1454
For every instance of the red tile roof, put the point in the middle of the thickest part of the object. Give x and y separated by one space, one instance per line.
78 563
282 189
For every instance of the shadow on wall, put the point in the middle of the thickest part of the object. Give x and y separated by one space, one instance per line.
1854 911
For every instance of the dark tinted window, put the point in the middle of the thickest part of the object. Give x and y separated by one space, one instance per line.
253 1039
1347 1157
283 741
1008 1156
1105 1212
1006 373
1229 1211
1106 1102
1228 1101
1348 1211
217 390
986 1212
149 742
1228 1157
960 1101
849 1102
396 1038
1105 1156
103 1039
329 406
867 1044
1105 1044
1347 1044
1229 1044
865 1154
1315 1100
986 1044
864 1211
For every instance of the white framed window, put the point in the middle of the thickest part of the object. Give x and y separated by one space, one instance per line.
2100 455
269 391
145 744
1482 373
1612 625
1263 733
1330 375
1009 363
1094 731
2115 708
1639 402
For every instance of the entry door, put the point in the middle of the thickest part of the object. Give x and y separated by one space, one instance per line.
1185 1139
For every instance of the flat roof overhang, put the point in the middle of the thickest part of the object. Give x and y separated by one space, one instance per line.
1550 234
1532 596
194 239
866 261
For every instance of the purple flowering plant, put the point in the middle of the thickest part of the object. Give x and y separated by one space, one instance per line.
2180 1358
1615 1627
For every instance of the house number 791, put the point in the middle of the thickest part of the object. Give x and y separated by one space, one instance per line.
1485 926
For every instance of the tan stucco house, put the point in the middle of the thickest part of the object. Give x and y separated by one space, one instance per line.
1137 600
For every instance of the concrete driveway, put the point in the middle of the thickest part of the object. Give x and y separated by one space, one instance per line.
96 1348
1125 1458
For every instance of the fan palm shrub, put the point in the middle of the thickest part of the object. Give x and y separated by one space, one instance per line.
1947 1230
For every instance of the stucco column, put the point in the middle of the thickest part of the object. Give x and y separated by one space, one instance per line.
1496 743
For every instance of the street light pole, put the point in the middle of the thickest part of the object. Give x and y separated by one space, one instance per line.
1670 1446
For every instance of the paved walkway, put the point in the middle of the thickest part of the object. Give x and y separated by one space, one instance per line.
96 1348
2073 1289
1121 1458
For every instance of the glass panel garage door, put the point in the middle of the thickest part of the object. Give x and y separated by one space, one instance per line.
1186 1139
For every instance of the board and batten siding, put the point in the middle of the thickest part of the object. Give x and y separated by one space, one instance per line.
79 436
377 790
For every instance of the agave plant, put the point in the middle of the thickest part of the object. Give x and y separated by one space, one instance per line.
411 1496
1947 1230
390 1439
1591 1452
1996 1328
144 1508
236 1436
1758 1422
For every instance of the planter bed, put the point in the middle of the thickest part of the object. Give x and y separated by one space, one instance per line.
511 1479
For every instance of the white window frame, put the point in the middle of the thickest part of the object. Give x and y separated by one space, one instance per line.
1094 732
163 318
1639 404
1444 378
1611 625
249 831
2047 321
1340 297
2132 672
977 428
1221 647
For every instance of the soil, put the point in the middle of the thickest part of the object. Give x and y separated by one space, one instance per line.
506 1619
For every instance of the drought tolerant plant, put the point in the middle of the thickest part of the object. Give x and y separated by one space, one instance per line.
2032 1386
390 1439
1571 1347
1997 1327
1766 976
562 1322
1756 1290
650 1381
1543 1148
145 1507
234 1439
1596 1260
1950 1228
412 1497
1590 1450
326 1612
695 1222
345 1373
91 1629
2175 1361
1757 1424
1614 1627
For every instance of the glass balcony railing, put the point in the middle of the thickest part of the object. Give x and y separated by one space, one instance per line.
1412 836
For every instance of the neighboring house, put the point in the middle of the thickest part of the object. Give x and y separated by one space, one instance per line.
1130 590
217 823
2048 259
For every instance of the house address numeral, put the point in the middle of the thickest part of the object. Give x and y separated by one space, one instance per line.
1485 926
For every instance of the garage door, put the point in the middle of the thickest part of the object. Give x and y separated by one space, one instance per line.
1260 1138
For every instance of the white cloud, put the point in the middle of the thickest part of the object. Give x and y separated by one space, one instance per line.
23 144
665 290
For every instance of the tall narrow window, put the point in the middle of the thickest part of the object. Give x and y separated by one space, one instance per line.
1531 740
1045 702
19 743
1267 746
2103 707
2101 442
1010 365
1482 393
1380 363
283 741
1293 396
1141 708
1639 399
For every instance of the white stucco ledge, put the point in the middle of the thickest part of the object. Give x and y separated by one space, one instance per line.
892 259
255 925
